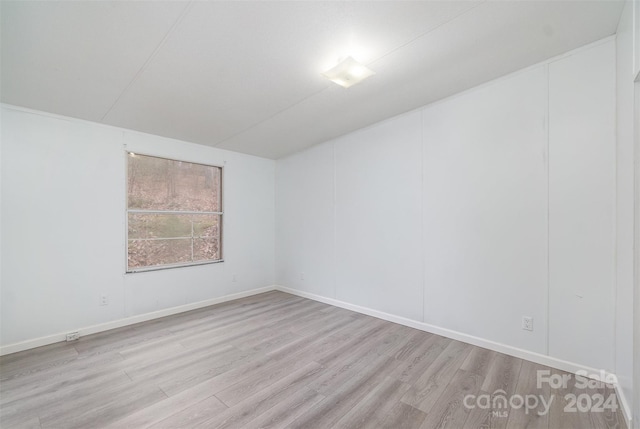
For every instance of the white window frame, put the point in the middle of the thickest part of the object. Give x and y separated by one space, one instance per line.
129 153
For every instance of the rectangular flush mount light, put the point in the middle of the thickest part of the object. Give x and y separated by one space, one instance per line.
348 73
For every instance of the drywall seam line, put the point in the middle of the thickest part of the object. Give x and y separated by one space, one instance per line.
464 12
615 213
182 15
335 222
275 221
422 229
548 125
636 249
302 100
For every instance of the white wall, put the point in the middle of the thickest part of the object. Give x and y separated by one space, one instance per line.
582 207
63 233
442 215
305 198
624 203
377 199
485 217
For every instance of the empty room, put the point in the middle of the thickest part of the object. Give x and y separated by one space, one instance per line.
320 214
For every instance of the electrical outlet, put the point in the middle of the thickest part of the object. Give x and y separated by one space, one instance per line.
234 278
104 300
527 323
301 276
72 336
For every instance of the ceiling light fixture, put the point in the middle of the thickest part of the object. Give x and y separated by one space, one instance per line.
348 72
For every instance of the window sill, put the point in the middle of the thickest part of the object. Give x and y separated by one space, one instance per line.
172 266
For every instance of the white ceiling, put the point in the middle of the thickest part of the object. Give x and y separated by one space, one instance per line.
245 76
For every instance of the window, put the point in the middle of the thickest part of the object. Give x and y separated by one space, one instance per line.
174 213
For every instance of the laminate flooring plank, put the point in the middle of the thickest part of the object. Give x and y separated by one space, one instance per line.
291 320
605 411
449 411
587 405
252 339
533 414
31 423
101 408
372 410
301 323
191 320
75 370
479 361
411 343
193 415
502 379
609 418
253 406
503 374
192 375
109 343
420 358
255 313
43 358
294 326
427 389
219 335
479 418
210 334
393 339
324 342
335 406
183 360
217 381
561 415
158 347
413 340
330 309
267 342
404 335
357 345
101 415
304 353
57 397
334 321
286 411
10 418
337 374
267 376
187 320
403 416
166 408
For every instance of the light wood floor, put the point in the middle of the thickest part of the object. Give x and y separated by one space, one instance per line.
273 360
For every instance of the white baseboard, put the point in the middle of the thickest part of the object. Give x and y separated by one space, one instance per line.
56 338
538 358
625 405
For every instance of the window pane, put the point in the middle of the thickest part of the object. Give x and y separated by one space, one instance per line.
206 225
206 249
149 253
142 225
157 225
164 184
158 239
